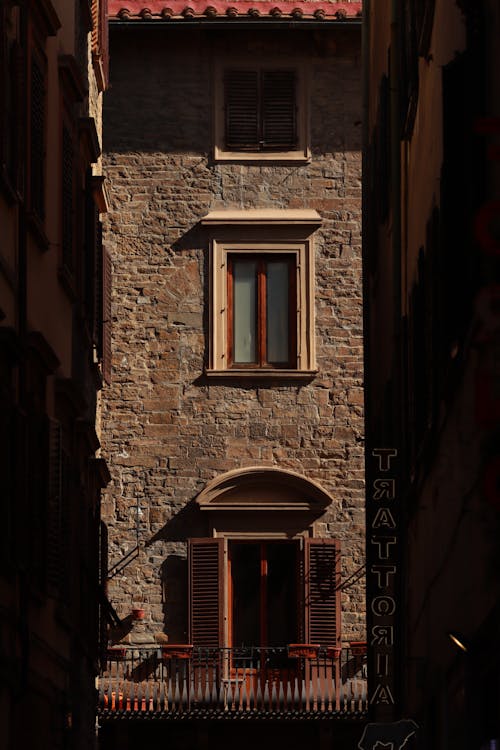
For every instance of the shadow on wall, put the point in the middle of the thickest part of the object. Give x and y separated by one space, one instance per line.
174 579
164 104
188 522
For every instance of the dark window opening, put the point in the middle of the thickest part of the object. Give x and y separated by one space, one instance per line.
264 582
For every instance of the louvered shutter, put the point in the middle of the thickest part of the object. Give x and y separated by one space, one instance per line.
321 591
104 38
241 89
90 280
103 582
96 26
18 120
106 315
54 507
206 600
67 198
98 308
279 119
22 521
66 527
7 468
37 442
37 139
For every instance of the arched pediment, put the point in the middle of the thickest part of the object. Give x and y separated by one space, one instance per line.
263 489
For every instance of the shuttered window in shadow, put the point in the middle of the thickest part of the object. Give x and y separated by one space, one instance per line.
260 110
37 139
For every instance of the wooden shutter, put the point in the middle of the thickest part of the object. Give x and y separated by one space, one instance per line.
67 164
206 593
8 472
241 91
92 275
37 138
321 591
99 38
106 315
279 119
104 38
103 583
22 521
54 506
18 118
37 478
97 275
68 556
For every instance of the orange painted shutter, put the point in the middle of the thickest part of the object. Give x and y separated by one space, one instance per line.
321 591
206 600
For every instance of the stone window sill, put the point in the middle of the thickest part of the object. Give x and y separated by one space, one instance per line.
260 374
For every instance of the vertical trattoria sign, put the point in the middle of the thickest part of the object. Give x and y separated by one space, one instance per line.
382 575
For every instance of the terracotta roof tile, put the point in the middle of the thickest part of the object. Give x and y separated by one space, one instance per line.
165 10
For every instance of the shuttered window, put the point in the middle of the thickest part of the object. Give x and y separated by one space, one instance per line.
99 41
106 315
37 138
206 601
54 557
322 591
318 572
91 270
67 178
260 110
11 92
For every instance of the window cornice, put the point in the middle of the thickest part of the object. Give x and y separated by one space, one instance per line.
263 217
263 488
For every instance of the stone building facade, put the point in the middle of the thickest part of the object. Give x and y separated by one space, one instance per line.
168 427
200 447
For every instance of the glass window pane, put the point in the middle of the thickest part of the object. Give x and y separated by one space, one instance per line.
277 311
244 313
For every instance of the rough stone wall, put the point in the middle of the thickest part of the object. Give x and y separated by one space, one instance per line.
167 430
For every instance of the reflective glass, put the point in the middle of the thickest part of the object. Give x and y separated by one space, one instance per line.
244 311
277 312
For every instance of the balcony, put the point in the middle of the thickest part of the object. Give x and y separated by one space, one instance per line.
179 681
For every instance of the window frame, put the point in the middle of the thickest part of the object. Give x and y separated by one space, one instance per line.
301 152
256 232
211 620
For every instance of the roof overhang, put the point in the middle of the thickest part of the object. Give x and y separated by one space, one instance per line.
242 13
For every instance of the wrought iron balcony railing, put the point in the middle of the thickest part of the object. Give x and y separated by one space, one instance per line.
175 680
